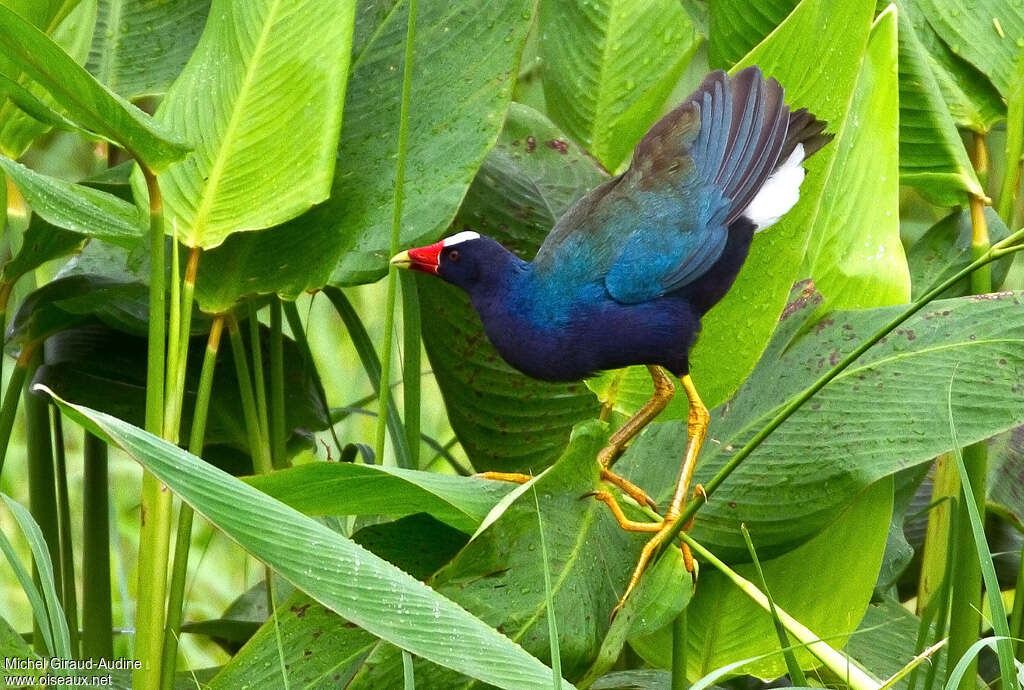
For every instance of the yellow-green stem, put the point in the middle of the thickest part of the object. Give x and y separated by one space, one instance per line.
97 623
258 450
68 595
396 225
9 409
843 667
179 569
679 652
277 413
935 555
259 382
177 366
411 393
155 511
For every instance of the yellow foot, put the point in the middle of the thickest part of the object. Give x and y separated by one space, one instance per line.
515 477
629 488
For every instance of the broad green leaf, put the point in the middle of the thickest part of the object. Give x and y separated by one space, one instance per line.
970 96
140 46
366 590
467 57
323 488
17 130
945 248
77 208
106 370
319 648
264 122
887 640
86 101
884 413
738 26
40 243
987 33
14 647
418 544
931 153
498 574
602 89
817 583
1006 467
855 255
753 305
503 419
35 108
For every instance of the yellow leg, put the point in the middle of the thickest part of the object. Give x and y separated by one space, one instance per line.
515 477
663 392
697 425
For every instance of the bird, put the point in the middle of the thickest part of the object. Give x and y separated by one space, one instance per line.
627 273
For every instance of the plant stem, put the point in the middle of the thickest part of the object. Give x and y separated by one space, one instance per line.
1005 247
42 489
1017 616
259 382
155 511
411 384
1014 145
68 597
965 611
840 665
396 225
179 569
177 366
10 405
97 621
679 652
257 448
945 486
277 415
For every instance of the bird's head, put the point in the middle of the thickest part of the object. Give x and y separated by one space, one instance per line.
466 259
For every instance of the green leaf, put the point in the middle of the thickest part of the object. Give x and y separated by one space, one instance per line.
855 255
599 87
467 57
319 649
987 33
773 265
884 413
726 626
931 153
945 248
738 26
503 419
1006 466
140 46
970 96
40 243
265 121
322 488
77 208
86 101
35 108
887 640
340 574
498 574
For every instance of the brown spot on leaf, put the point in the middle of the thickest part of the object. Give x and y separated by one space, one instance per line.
558 145
531 143
299 611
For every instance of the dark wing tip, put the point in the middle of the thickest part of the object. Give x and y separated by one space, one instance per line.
806 129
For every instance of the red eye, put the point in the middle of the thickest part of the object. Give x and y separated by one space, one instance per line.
453 256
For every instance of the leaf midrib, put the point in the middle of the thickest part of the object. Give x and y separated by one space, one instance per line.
208 194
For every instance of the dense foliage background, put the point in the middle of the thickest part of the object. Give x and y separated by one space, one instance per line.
201 200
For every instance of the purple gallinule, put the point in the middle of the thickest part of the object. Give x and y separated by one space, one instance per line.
625 276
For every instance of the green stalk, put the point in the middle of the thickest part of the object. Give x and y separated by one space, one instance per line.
411 380
42 489
965 611
97 621
291 312
155 512
68 596
396 225
259 382
258 449
177 365
1014 145
277 416
843 667
945 486
1017 615
179 569
679 652
9 409
1006 247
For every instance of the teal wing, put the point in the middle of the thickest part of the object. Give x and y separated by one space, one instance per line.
665 221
